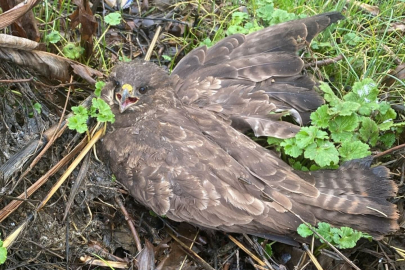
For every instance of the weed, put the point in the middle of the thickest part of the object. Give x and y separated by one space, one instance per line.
342 238
99 110
344 128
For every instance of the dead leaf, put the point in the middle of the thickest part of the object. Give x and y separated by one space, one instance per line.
373 10
24 52
397 74
84 16
26 26
16 12
146 259
85 72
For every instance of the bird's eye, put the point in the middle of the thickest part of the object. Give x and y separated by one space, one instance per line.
143 89
116 83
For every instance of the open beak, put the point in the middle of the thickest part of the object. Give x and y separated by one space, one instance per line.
126 97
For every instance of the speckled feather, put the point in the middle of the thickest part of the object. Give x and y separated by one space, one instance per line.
180 150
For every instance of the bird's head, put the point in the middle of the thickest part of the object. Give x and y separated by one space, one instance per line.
134 83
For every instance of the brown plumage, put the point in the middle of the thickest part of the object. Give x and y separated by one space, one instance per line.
177 143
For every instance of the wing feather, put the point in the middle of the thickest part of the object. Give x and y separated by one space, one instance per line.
264 61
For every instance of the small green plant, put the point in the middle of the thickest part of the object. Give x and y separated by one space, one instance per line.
72 51
113 18
342 238
53 37
99 110
344 128
37 107
3 253
265 15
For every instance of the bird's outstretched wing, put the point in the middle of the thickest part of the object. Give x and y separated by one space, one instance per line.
254 78
190 165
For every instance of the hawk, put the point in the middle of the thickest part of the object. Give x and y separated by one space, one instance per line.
178 144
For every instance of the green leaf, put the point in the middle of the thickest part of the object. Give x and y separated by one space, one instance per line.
265 10
102 111
353 149
388 139
78 123
342 127
280 15
275 142
99 86
298 166
323 153
366 90
37 107
307 136
317 45
304 231
3 255
389 115
384 107
344 237
369 131
324 229
235 29
329 95
72 51
345 108
207 42
80 110
291 148
348 237
386 125
166 57
352 39
153 214
342 136
365 93
320 117
113 18
366 109
252 27
268 249
53 37
334 232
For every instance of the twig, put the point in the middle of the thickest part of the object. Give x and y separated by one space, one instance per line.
130 224
91 261
13 205
75 187
152 44
57 132
14 235
324 62
70 169
398 147
191 246
259 250
241 246
190 252
312 257
17 81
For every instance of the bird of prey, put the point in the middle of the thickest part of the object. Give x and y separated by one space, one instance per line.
178 144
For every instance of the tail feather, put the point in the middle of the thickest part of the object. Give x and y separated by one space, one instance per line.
355 195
